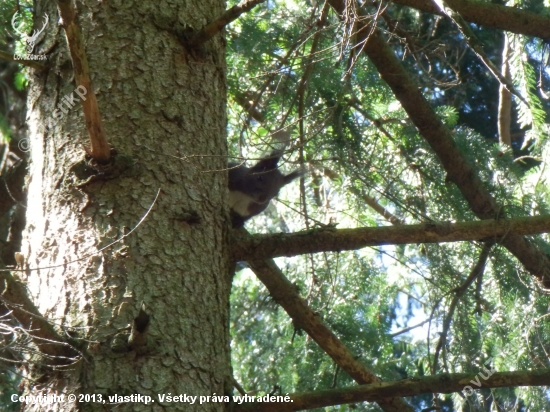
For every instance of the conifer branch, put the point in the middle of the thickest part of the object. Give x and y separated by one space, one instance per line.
303 317
217 25
491 15
263 246
442 383
440 139
476 46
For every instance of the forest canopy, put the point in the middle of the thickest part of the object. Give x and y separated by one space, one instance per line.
308 66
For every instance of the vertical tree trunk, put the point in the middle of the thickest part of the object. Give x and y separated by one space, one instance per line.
159 104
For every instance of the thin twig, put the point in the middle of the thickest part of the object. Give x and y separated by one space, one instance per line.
477 47
408 329
459 292
95 253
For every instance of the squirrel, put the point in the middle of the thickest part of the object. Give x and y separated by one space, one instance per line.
252 188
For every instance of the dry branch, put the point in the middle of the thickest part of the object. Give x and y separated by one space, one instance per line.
13 294
263 246
476 46
99 148
377 207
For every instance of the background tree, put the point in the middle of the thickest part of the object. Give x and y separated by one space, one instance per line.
395 110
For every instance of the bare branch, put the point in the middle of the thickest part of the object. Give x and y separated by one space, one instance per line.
99 148
217 25
477 47
443 383
382 211
408 329
262 246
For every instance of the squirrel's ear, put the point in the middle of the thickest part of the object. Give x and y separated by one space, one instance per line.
279 142
282 136
269 163
251 189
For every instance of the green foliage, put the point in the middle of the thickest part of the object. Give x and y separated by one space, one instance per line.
8 385
23 21
359 144
10 40
21 81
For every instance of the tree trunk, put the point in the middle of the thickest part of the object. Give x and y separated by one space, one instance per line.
149 314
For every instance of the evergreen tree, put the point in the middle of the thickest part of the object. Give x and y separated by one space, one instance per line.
407 116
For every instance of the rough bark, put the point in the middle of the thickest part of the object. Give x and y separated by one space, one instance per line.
150 313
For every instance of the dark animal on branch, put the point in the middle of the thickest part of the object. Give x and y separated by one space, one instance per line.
252 188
